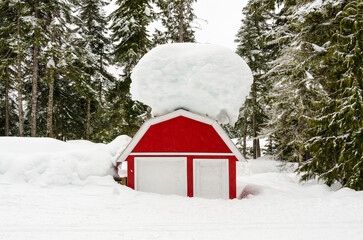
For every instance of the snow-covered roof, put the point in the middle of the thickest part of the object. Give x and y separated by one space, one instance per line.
207 79
181 112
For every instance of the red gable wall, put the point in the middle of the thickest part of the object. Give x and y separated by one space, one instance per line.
181 134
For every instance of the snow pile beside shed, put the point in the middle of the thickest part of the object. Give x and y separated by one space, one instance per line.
47 161
202 78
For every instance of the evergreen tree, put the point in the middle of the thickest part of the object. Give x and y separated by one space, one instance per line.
242 126
295 72
53 54
93 48
252 47
129 32
132 41
15 45
177 17
37 40
7 57
337 136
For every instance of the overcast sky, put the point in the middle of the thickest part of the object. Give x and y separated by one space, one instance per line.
223 20
219 20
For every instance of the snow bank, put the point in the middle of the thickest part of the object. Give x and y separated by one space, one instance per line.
203 78
46 161
282 210
267 178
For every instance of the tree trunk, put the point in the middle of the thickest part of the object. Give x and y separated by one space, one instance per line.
300 128
100 83
254 123
33 120
20 86
245 135
51 93
20 99
301 155
258 148
181 20
100 94
88 119
254 148
7 104
50 104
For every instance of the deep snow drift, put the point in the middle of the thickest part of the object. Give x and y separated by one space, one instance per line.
275 205
47 161
203 78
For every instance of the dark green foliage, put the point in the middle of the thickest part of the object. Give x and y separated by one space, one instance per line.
177 17
132 41
129 32
14 45
296 73
252 47
312 59
336 145
92 49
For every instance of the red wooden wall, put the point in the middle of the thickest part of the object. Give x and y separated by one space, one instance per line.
181 134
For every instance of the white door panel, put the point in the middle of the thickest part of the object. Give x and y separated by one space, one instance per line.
165 175
210 178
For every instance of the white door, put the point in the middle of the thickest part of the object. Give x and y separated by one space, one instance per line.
165 175
210 178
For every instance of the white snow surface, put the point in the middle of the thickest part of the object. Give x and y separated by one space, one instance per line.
275 204
203 78
48 162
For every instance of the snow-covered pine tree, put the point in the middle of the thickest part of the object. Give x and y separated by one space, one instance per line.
337 136
38 38
177 18
93 47
282 118
38 19
6 80
243 127
7 58
129 32
54 54
15 45
252 48
300 32
131 41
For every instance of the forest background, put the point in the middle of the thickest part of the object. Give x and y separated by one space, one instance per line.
305 55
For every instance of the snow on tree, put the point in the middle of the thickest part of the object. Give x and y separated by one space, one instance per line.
203 78
93 46
131 40
299 32
337 127
176 17
252 47
129 32
53 54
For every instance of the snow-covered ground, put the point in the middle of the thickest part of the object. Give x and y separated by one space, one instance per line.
275 205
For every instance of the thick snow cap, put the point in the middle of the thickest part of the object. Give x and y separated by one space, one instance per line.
203 78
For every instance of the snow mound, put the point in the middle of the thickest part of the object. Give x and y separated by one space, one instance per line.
203 78
266 177
47 161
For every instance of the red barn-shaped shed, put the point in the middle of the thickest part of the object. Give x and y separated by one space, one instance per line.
182 153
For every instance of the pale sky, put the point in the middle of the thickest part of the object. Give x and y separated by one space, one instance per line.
219 20
224 19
